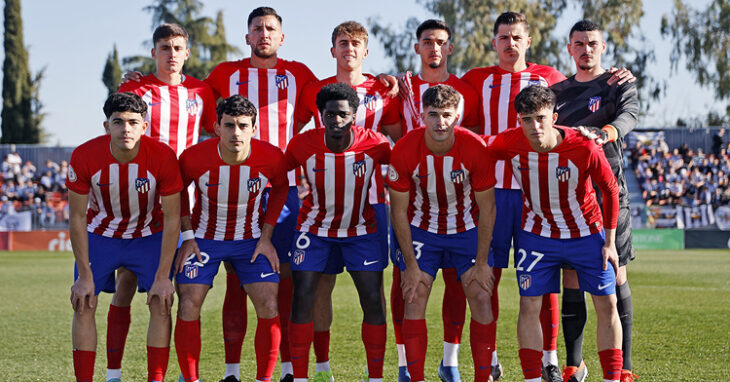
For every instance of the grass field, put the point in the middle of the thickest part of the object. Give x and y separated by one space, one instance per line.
681 329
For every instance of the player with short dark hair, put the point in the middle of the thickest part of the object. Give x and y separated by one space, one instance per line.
124 204
442 204
561 223
228 223
337 221
607 113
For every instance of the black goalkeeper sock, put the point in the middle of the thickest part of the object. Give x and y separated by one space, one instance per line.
574 321
626 314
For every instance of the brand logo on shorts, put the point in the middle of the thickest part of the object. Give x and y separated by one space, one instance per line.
254 185
457 176
191 271
562 173
370 101
359 168
142 185
525 282
298 257
282 81
191 105
594 103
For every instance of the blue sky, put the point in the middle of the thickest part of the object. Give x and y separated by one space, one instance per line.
73 38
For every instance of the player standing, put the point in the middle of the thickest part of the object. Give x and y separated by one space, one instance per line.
443 204
610 112
337 220
561 223
228 223
124 203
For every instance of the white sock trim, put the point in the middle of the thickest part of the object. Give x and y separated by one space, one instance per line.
113 373
451 354
286 368
401 355
233 369
322 366
549 357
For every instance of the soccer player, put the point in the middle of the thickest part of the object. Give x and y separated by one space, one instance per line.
228 223
178 107
124 204
609 112
561 223
337 221
377 111
442 203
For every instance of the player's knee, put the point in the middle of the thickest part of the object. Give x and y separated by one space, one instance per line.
530 306
372 306
189 307
621 276
605 307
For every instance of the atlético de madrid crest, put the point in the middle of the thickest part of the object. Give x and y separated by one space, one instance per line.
359 168
254 185
192 106
525 282
282 81
457 176
142 185
370 101
562 173
594 103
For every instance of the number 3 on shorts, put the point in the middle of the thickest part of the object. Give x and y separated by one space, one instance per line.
303 241
523 256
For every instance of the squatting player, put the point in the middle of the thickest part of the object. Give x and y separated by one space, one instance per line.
561 223
442 203
228 223
337 220
610 112
124 204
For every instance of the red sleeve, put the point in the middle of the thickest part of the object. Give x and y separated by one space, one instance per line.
209 111
392 106
471 107
214 78
290 160
186 175
555 77
482 169
78 179
306 104
131 87
398 171
495 147
276 172
169 178
601 174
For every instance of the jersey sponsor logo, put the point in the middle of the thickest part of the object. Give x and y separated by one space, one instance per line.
457 176
142 185
318 169
211 184
492 86
525 282
103 184
523 168
254 185
594 103
154 103
359 168
71 174
392 173
298 256
562 173
241 82
419 176
191 105
370 101
282 81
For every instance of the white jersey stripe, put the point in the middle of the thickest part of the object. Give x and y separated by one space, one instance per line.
204 206
165 115
349 191
273 109
224 181
580 219
451 202
554 198
182 122
243 195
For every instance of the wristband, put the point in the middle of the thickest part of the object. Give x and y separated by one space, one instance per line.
187 235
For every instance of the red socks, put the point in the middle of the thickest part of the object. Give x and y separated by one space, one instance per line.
397 306
84 365
481 350
285 296
322 346
550 321
374 338
611 363
415 337
187 347
266 343
531 361
234 318
118 320
453 308
157 359
300 339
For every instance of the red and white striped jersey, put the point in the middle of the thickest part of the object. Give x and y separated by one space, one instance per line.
559 201
497 89
175 112
441 187
124 198
229 203
468 107
376 109
338 205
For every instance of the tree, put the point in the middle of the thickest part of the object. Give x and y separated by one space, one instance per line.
18 121
112 76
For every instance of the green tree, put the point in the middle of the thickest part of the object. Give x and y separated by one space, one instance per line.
18 121
112 75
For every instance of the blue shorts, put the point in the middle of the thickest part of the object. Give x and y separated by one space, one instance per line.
336 264
433 251
360 253
236 252
396 254
508 224
286 224
539 261
139 255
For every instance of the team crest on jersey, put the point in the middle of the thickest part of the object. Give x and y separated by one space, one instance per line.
359 168
525 282
142 185
594 103
562 173
282 81
457 176
534 83
298 256
370 101
191 105
254 185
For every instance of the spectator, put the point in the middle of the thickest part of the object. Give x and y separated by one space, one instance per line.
718 141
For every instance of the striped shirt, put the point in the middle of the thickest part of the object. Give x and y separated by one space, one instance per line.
468 108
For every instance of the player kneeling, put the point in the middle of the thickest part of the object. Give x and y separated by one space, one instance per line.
442 204
228 223
562 223
124 187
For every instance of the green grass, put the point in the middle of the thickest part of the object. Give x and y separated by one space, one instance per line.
681 329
